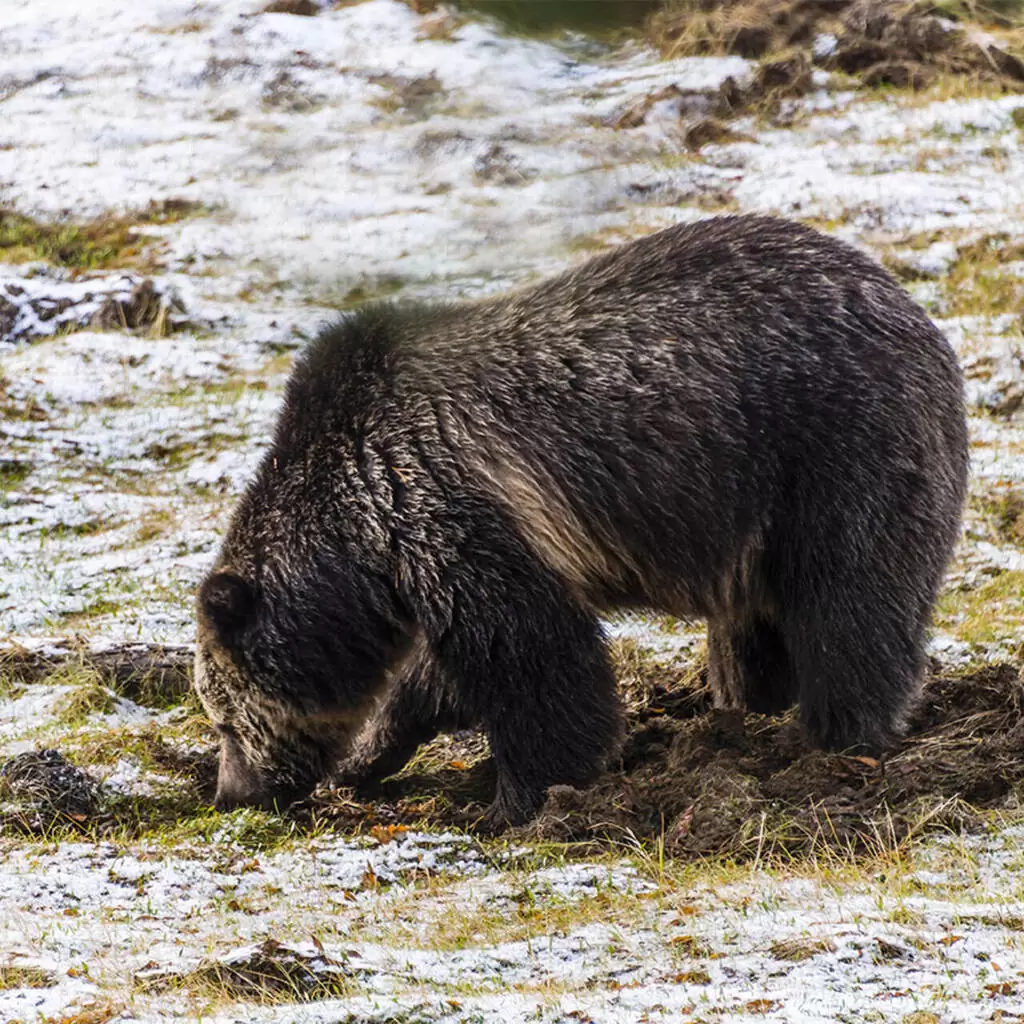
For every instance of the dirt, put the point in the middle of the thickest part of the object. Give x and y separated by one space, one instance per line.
48 786
713 783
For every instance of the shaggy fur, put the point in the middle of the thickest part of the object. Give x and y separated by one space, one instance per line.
741 420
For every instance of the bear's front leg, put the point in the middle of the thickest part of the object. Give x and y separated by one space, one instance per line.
523 652
419 705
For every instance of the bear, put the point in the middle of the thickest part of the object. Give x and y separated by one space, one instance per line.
739 419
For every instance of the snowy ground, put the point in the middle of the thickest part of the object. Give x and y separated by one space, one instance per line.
372 151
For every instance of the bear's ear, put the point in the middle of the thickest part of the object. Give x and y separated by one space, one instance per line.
228 601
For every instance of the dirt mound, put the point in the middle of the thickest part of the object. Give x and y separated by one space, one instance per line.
881 41
41 788
721 783
707 782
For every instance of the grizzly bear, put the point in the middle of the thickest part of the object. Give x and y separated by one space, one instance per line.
741 420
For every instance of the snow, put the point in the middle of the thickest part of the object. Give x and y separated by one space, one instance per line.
119 913
348 155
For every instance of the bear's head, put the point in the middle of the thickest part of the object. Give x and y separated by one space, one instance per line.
300 623
291 657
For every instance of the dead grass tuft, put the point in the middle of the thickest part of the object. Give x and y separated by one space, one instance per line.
270 974
25 976
97 1012
1003 509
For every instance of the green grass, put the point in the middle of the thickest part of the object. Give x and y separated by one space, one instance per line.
106 242
985 614
13 473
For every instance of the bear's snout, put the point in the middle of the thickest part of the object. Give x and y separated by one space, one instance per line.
241 785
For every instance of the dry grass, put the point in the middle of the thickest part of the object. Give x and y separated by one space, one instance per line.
271 975
88 698
524 916
1002 509
986 613
24 976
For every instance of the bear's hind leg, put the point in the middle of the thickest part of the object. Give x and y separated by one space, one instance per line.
749 666
858 662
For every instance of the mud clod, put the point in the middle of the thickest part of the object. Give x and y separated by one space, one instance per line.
48 786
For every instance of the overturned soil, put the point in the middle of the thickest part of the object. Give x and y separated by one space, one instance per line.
712 783
697 781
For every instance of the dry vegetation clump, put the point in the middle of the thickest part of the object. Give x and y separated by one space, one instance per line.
146 673
146 307
49 787
1005 509
883 42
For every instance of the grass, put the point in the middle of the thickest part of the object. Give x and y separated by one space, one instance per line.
604 19
87 699
978 282
987 613
527 915
98 1011
158 522
95 608
13 473
358 295
1003 511
103 243
14 976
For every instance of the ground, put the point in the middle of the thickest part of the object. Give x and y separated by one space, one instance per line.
187 190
